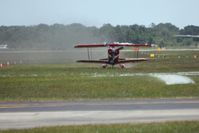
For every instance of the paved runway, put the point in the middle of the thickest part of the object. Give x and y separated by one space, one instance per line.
36 114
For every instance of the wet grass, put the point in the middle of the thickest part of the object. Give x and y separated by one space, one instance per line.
168 127
65 82
74 81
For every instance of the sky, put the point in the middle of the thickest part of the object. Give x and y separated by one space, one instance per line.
98 12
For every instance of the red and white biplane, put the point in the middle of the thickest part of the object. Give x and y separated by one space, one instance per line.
113 54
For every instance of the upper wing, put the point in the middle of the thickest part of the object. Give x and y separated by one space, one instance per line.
132 60
111 45
89 45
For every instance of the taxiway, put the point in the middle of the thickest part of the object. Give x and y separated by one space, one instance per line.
37 114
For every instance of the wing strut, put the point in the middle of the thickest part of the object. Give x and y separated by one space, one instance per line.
89 53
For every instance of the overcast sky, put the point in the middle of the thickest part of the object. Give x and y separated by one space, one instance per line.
97 12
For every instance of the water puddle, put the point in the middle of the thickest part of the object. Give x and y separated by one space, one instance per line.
172 79
167 78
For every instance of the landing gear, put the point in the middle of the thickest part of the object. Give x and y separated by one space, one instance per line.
122 66
104 65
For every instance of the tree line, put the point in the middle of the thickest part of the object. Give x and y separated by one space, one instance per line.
59 36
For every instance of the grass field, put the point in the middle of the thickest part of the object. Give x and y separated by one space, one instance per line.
168 127
74 81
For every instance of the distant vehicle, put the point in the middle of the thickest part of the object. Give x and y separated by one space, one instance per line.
113 54
3 46
187 36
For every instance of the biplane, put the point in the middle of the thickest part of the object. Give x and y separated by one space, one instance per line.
113 50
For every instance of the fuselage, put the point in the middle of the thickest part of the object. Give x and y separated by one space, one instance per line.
113 55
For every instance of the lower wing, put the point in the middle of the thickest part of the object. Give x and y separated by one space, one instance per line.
131 60
120 61
94 61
